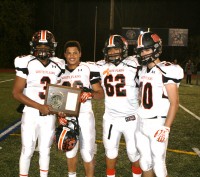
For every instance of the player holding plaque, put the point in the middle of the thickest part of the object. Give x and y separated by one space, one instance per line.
82 75
33 73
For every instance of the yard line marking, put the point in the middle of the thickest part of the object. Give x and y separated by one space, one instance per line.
197 151
188 111
14 134
6 80
181 152
4 133
171 150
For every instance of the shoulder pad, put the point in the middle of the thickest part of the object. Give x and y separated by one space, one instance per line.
132 61
171 70
90 62
59 61
100 62
91 65
22 61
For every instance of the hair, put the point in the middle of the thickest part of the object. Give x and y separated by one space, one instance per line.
72 44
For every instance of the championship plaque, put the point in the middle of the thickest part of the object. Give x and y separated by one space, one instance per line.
63 99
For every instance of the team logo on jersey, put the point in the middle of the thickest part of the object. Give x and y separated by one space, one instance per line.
107 72
53 66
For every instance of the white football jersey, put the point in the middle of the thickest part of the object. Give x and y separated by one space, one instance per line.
85 75
120 87
38 75
152 92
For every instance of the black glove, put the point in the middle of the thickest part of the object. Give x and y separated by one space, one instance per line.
20 108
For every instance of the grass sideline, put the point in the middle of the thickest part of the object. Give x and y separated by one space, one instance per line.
183 137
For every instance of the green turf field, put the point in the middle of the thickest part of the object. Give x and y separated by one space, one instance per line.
181 159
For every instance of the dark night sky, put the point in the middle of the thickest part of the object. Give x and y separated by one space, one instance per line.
75 19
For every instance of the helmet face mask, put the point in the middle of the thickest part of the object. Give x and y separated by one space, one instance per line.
114 55
66 137
43 44
42 52
120 45
145 59
146 41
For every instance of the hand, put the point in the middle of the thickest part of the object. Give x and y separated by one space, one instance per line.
86 94
62 121
162 134
61 114
44 110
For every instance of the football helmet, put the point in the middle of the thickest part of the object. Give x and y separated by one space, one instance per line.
148 40
45 38
115 41
66 137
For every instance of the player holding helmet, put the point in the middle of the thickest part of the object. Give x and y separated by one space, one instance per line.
159 83
82 75
33 73
119 74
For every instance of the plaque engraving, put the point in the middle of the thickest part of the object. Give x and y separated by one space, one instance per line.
63 99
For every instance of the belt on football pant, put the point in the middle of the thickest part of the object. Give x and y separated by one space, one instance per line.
156 117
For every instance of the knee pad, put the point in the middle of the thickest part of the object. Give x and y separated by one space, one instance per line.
112 153
145 165
133 156
44 152
87 155
73 152
27 152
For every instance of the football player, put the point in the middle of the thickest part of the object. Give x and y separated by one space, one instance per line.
119 75
82 75
33 73
159 83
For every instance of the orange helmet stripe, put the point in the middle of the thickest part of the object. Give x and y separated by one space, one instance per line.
43 34
111 39
61 139
140 40
43 37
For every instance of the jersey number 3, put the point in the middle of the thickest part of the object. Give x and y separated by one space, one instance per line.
45 80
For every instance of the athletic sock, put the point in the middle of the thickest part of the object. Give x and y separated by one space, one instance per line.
23 175
43 173
71 174
110 172
136 171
